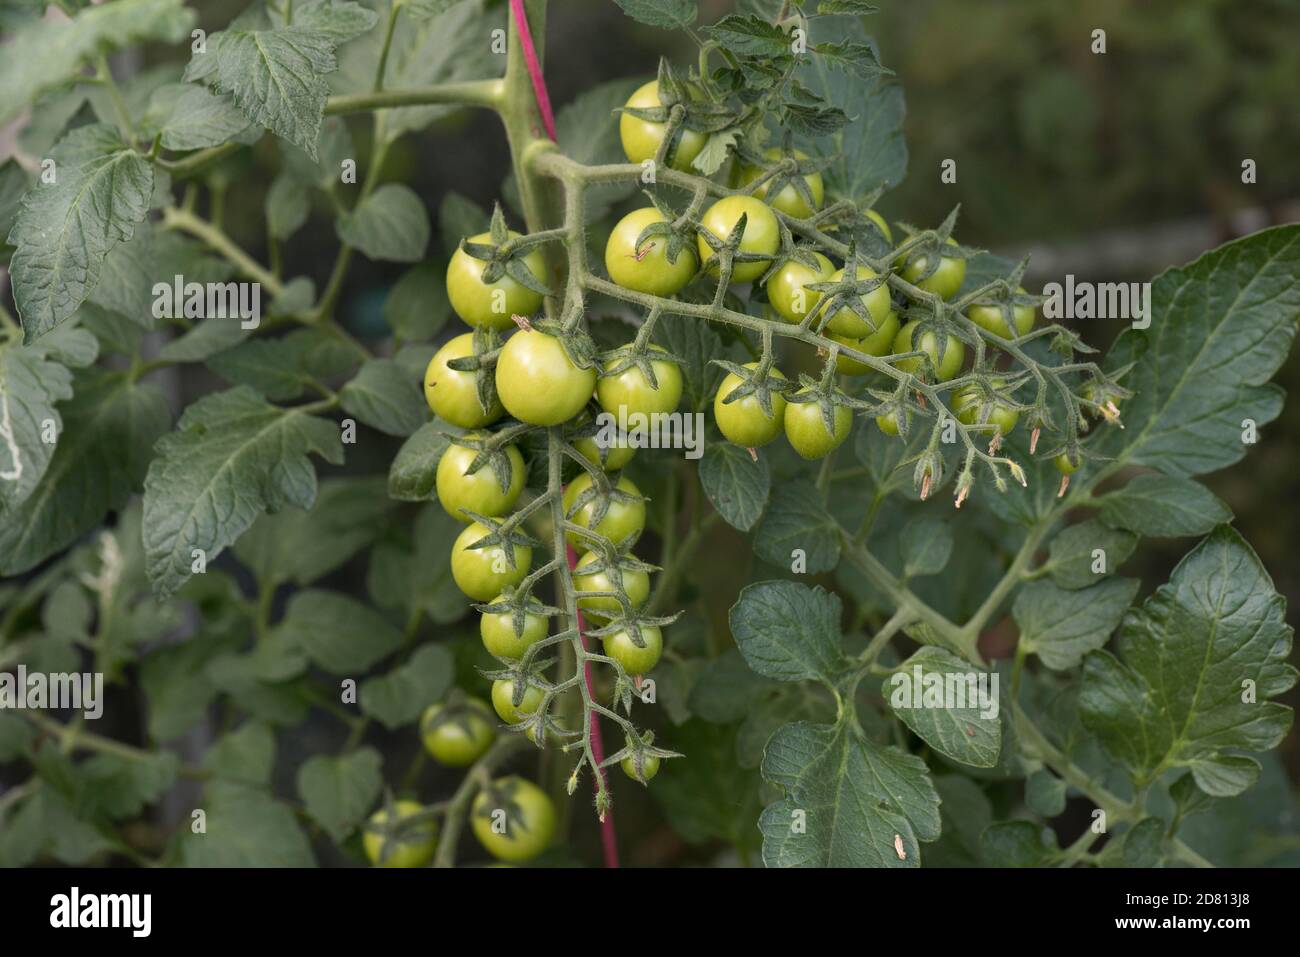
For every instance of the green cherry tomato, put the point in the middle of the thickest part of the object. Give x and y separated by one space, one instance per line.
786 292
991 318
622 522
616 456
846 322
762 235
635 582
806 429
789 201
649 768
513 819
879 343
410 847
635 660
646 268
499 635
481 491
945 281
879 220
888 423
971 405
744 422
491 304
503 691
459 736
484 573
452 395
641 138
629 392
538 382
953 355
1065 465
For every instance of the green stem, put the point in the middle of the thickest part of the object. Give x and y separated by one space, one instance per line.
105 76
481 93
187 222
458 807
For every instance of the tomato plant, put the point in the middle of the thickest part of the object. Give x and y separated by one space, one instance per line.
324 467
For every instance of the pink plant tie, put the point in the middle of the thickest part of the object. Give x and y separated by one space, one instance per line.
608 840
534 66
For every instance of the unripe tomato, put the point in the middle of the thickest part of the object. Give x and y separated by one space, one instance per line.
879 220
503 691
491 304
452 395
514 820
954 355
616 456
631 392
888 423
410 847
991 318
786 292
789 200
622 521
649 768
971 405
1067 466
499 635
806 429
945 281
879 343
744 422
635 661
479 492
641 138
538 382
636 583
1109 411
848 323
459 737
647 269
484 573
762 234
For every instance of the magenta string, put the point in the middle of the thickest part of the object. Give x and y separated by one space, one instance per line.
608 840
534 65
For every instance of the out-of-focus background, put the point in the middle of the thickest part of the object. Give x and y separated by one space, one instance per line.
1108 166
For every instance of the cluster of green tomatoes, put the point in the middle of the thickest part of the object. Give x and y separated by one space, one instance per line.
752 418
506 367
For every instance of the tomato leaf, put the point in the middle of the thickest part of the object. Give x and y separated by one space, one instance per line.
277 76
1062 625
736 485
389 224
1083 554
301 546
966 732
665 14
789 631
232 457
246 828
338 791
797 522
384 397
65 228
43 53
1163 507
338 633
1220 329
109 428
1214 635
848 802
398 698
